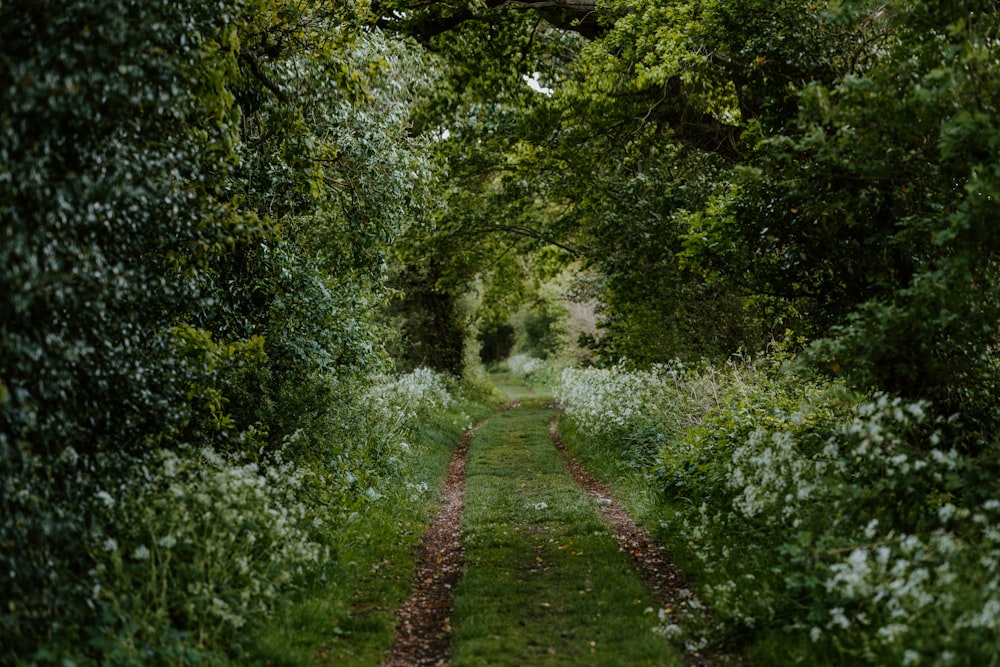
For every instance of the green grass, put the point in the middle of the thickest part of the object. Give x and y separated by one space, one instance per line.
545 583
515 389
630 484
538 386
348 620
638 492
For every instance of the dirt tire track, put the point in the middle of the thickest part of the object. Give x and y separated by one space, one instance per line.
423 632
649 558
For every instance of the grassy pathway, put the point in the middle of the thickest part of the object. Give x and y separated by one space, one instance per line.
544 583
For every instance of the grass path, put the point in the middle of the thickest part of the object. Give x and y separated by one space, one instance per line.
544 582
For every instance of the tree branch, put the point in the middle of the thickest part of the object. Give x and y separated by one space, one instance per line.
250 58
527 232
424 20
692 126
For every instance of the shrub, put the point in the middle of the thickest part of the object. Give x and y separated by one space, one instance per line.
370 435
636 411
196 548
523 366
116 142
859 524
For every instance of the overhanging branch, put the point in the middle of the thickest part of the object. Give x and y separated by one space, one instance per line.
425 20
250 58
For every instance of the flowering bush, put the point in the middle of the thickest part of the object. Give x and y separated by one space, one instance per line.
865 517
168 558
176 555
854 522
407 397
201 546
523 366
636 411
370 437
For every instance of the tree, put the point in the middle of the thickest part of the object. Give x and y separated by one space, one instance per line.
915 135
117 135
195 201
326 160
644 121
425 21
810 165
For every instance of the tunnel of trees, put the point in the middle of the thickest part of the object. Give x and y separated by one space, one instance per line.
220 220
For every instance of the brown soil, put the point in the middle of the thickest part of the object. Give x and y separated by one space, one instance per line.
424 620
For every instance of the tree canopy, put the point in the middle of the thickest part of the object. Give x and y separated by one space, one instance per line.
219 221
735 171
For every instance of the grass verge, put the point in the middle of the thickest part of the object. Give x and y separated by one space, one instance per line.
545 583
637 491
347 618
630 484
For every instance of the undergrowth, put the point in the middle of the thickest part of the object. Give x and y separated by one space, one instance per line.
820 525
347 617
202 557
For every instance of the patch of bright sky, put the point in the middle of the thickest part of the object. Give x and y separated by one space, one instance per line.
534 83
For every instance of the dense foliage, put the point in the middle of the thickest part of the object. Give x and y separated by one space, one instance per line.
196 201
827 526
736 170
222 223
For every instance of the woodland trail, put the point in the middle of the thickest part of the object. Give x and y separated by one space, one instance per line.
422 631
532 561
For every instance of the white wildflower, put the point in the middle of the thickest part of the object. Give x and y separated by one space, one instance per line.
890 633
106 498
946 512
838 619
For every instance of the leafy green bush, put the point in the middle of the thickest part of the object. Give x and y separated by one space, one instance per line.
116 139
199 547
854 522
189 282
744 397
854 525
